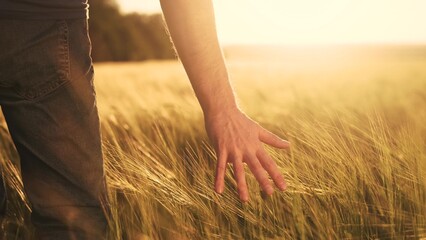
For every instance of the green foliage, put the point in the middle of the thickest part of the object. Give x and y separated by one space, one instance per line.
131 37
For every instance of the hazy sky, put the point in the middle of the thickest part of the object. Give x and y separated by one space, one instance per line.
312 21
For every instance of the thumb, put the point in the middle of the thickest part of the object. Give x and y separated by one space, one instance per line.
272 139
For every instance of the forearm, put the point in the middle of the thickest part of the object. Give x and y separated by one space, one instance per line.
192 27
237 138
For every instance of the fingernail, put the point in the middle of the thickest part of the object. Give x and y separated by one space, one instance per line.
269 190
283 186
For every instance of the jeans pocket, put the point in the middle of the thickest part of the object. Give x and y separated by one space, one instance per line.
41 63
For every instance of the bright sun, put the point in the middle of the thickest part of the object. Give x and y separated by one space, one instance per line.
312 21
299 21
301 14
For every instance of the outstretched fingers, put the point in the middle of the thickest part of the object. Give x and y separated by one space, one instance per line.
260 174
271 167
220 171
272 139
239 175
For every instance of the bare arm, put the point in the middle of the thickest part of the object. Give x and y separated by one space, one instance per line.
237 139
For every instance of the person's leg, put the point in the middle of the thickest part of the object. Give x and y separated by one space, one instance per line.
49 104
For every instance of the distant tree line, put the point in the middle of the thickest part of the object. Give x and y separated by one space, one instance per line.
130 37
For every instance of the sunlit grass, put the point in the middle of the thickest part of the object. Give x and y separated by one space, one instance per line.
356 168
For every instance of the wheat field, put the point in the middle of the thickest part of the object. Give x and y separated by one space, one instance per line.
356 169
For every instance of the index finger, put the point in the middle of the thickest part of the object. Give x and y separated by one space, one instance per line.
271 167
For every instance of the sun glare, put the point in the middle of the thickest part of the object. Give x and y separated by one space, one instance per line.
312 22
318 22
277 21
301 15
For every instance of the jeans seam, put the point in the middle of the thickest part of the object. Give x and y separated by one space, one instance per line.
64 68
64 53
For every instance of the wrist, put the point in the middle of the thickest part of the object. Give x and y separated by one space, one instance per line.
220 110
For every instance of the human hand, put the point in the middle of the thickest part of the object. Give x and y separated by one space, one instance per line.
237 139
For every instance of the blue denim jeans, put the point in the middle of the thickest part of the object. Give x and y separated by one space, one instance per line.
48 100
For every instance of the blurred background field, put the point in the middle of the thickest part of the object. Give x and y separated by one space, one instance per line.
357 167
356 170
354 113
